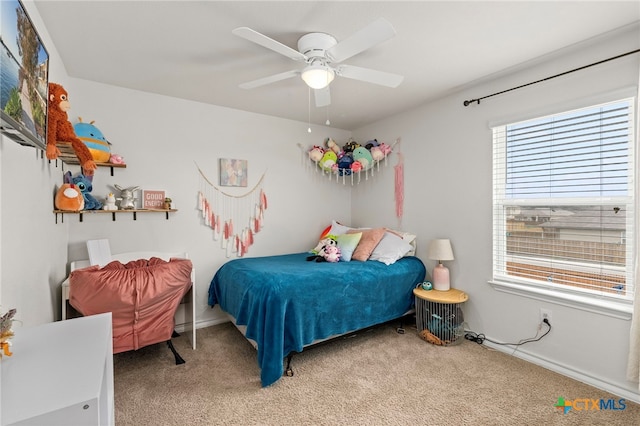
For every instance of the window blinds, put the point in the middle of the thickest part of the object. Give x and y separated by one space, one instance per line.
564 201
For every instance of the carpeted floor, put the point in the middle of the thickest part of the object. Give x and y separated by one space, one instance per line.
378 377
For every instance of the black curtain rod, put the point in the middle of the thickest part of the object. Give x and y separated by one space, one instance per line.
469 102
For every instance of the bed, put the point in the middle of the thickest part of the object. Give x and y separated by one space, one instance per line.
285 303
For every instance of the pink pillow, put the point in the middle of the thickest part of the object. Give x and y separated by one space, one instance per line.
369 240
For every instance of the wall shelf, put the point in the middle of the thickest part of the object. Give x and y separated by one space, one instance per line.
68 156
113 213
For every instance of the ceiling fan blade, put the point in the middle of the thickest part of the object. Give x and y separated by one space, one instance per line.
270 79
264 41
369 36
370 76
323 97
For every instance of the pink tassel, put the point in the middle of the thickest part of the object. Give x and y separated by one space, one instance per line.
218 224
263 200
226 231
399 185
230 227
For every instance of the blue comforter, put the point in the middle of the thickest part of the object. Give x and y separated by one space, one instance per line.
287 302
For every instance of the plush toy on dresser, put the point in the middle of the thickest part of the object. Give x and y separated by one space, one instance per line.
60 129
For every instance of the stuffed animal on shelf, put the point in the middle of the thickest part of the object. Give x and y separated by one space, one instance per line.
98 145
116 159
60 130
69 198
127 200
110 202
85 185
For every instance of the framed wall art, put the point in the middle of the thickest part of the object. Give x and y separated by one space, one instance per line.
233 172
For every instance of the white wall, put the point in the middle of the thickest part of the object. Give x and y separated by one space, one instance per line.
447 151
34 249
448 193
161 138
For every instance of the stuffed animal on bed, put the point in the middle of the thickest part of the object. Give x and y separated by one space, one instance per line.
327 250
331 253
60 130
328 240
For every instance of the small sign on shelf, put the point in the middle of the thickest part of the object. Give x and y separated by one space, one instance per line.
153 200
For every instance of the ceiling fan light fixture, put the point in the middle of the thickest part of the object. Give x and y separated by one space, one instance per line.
318 76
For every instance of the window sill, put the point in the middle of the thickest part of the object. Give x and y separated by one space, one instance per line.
610 308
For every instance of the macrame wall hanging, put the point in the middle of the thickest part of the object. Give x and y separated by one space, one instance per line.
234 219
350 163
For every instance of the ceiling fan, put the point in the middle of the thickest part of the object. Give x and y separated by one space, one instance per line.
323 55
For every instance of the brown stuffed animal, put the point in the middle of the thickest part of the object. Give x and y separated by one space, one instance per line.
60 129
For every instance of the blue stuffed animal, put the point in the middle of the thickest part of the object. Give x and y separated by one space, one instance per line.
85 185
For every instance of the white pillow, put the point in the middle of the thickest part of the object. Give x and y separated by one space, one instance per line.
390 248
407 237
338 229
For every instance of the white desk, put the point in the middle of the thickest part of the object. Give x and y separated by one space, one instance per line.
61 373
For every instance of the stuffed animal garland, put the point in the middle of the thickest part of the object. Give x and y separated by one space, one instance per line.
351 158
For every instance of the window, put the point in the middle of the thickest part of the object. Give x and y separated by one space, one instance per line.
563 199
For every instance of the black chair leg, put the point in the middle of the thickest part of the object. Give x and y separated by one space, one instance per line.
179 359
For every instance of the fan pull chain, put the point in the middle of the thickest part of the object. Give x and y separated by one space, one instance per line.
309 108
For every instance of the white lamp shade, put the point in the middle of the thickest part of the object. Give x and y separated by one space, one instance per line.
317 76
440 249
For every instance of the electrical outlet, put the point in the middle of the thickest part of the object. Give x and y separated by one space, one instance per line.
545 314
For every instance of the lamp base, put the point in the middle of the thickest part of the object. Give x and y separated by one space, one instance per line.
441 278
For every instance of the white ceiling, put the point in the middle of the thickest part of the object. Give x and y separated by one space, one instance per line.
185 49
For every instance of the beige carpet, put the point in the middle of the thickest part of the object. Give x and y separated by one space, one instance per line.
378 377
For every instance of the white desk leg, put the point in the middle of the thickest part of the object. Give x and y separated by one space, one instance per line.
193 316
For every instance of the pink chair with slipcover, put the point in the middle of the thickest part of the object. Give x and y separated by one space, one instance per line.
142 295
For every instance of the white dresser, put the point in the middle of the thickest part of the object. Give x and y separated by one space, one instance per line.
60 373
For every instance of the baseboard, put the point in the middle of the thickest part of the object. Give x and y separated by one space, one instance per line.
180 328
568 371
211 322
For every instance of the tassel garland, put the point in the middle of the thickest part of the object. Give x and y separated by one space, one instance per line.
225 215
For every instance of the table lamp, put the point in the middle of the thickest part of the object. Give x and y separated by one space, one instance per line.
440 250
